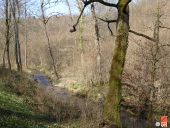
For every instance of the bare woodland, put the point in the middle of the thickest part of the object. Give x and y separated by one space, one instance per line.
120 47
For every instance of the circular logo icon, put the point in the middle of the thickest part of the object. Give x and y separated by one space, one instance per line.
157 124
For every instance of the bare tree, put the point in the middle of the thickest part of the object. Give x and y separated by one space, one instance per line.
3 58
81 29
97 43
15 7
7 35
45 21
26 35
155 56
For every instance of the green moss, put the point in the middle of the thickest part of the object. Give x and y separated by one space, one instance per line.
112 106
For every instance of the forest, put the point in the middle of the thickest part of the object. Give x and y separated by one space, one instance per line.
84 63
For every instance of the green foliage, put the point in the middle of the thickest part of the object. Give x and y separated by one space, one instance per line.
16 122
14 112
12 102
74 124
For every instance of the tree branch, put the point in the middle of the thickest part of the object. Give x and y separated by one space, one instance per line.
165 45
136 33
88 2
75 25
99 1
142 35
108 23
164 27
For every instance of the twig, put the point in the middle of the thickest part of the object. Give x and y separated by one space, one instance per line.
164 27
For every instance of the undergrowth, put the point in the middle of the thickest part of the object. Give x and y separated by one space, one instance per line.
23 104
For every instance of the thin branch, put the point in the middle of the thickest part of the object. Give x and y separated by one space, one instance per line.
69 8
164 27
86 3
75 25
136 33
165 45
142 35
108 23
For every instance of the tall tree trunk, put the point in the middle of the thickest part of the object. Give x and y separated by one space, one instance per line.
45 21
155 61
16 17
8 20
113 100
81 29
97 44
18 42
3 58
26 35
50 51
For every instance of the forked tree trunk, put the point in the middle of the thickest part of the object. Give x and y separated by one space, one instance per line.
112 106
16 16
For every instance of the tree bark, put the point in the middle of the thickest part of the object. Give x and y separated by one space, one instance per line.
81 29
113 100
155 61
3 58
97 44
16 17
26 35
50 51
7 23
45 21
